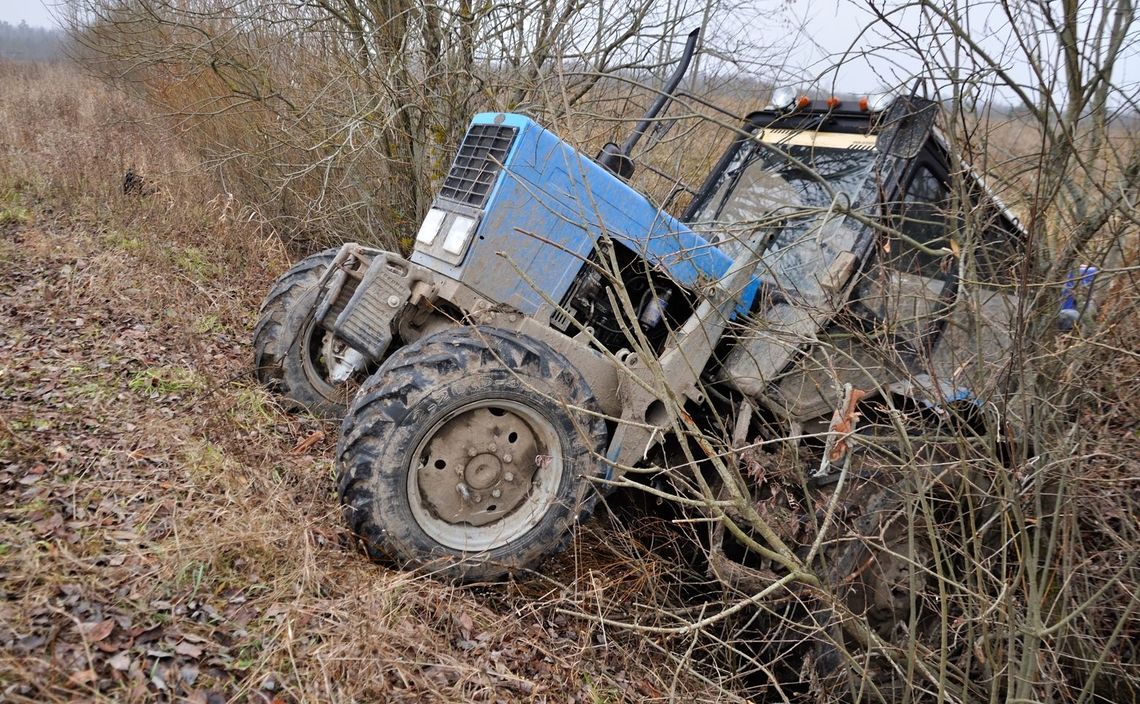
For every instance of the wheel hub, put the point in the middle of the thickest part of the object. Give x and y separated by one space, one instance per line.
479 466
483 471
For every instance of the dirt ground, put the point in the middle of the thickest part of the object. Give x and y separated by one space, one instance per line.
167 532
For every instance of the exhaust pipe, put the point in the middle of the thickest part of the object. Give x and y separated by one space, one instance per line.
616 159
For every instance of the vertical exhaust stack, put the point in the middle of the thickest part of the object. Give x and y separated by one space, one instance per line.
616 159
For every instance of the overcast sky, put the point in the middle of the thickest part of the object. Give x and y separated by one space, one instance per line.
808 37
31 11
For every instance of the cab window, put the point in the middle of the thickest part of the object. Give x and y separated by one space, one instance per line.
928 216
924 218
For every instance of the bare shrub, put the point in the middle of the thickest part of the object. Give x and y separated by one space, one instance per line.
336 120
973 544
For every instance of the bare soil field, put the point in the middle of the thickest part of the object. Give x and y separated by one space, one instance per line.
167 532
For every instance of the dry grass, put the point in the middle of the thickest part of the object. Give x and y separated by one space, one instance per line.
161 539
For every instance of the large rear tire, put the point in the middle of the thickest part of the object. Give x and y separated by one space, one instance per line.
470 453
289 348
896 570
884 576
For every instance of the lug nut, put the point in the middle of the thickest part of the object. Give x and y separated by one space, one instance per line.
492 447
507 458
471 452
496 493
508 477
394 301
478 498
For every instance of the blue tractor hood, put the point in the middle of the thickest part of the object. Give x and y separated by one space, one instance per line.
547 208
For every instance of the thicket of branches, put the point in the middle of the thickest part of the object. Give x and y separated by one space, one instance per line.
336 118
1007 521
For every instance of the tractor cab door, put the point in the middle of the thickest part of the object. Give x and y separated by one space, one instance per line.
931 309
909 283
936 301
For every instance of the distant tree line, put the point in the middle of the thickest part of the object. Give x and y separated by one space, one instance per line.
21 42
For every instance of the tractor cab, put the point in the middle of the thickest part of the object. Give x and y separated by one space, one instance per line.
865 221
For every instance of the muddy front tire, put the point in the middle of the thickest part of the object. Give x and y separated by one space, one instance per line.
287 345
469 453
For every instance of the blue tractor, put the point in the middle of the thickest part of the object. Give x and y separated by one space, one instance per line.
554 329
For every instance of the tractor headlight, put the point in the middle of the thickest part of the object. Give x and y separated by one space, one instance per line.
784 97
430 227
445 234
880 101
458 234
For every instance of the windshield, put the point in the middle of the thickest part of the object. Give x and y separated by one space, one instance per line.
783 197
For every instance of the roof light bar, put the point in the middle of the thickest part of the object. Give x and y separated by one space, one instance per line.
789 99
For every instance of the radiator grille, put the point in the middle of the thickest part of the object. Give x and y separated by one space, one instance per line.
477 164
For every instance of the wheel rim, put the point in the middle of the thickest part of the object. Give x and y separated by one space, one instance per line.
484 475
316 343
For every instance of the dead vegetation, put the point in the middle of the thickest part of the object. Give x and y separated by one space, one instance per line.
168 533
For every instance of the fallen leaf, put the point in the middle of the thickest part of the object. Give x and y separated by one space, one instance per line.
189 674
29 643
121 662
188 649
48 525
82 677
307 444
146 635
98 630
465 625
843 424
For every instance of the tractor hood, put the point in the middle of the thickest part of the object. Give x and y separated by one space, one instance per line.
538 207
